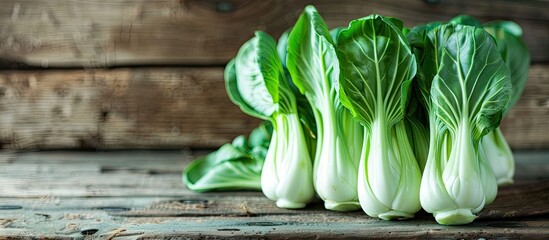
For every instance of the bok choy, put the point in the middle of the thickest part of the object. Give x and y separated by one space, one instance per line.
465 87
508 36
374 116
377 67
313 65
260 88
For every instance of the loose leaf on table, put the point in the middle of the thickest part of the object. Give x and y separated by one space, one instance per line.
234 166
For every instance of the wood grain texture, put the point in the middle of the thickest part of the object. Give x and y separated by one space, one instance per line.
121 108
54 195
527 124
48 33
171 108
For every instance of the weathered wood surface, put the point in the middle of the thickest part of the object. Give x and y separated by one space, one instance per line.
171 108
120 108
527 124
55 195
46 33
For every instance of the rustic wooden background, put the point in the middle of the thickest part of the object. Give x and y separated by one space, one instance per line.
149 74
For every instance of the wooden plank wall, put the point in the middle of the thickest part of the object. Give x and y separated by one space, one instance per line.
149 74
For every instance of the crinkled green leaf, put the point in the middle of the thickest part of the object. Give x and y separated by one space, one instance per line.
427 41
397 23
261 81
312 61
235 166
472 82
376 62
515 54
228 168
258 72
234 93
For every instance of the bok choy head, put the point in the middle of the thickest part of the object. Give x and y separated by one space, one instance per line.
508 36
313 65
377 67
261 89
467 96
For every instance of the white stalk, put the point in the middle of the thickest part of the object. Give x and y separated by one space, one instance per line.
337 165
287 176
388 180
453 191
500 157
269 174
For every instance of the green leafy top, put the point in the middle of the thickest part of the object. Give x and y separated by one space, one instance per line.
472 83
515 54
256 82
428 42
234 94
311 59
377 66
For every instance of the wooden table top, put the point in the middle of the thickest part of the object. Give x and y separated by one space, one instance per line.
139 195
